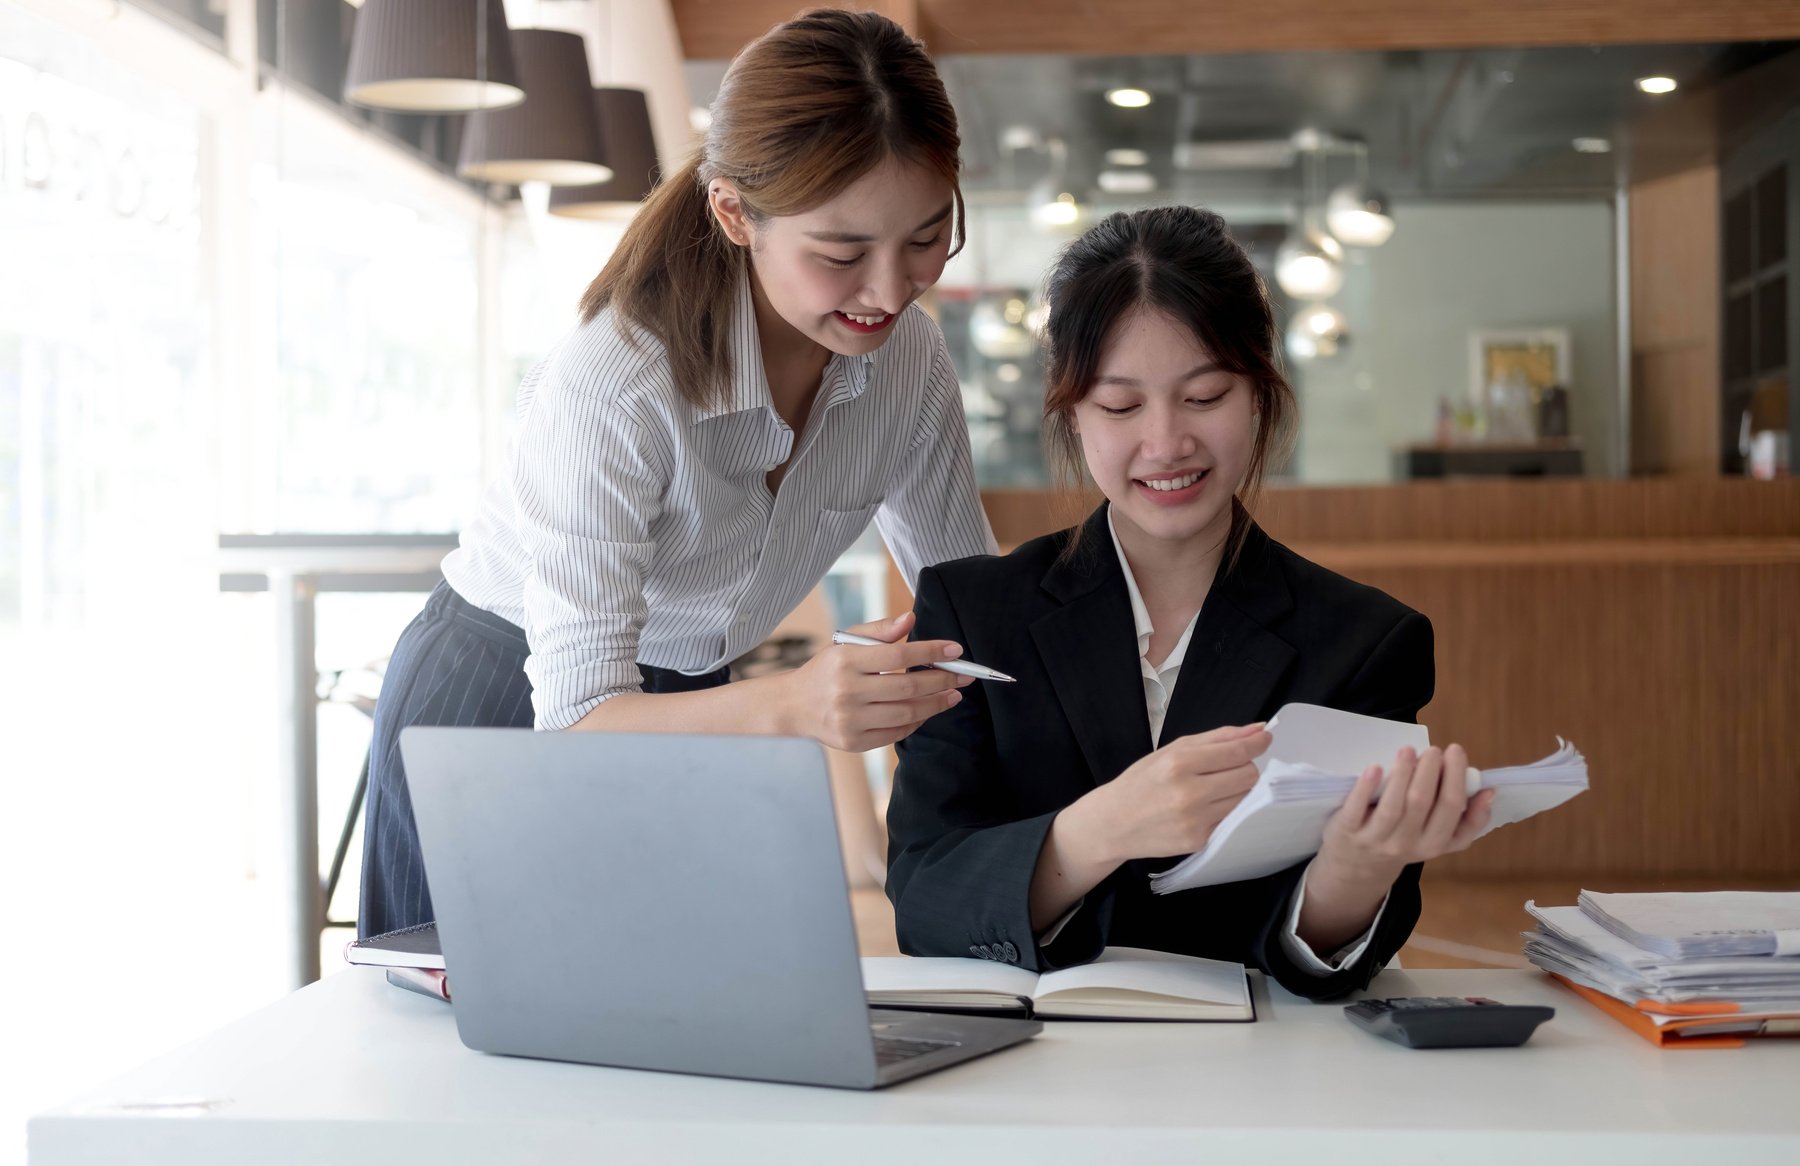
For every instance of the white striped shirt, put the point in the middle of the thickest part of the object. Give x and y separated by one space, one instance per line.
629 525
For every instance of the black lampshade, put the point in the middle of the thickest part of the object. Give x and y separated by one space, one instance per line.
553 135
630 151
426 56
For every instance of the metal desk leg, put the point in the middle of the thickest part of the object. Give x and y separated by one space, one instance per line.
297 789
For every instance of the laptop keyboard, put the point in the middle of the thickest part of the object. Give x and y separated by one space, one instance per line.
891 1050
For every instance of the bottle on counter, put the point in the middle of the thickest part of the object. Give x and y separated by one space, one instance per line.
1553 412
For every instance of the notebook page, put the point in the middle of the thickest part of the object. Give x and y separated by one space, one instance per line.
1159 973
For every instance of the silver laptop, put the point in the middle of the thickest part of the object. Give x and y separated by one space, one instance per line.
657 901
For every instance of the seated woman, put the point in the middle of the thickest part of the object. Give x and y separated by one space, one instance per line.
1149 644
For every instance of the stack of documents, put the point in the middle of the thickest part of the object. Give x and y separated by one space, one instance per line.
1308 770
1683 970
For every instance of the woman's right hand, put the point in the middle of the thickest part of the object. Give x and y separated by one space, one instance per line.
858 698
1169 802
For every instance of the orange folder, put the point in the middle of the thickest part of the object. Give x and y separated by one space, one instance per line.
1676 1034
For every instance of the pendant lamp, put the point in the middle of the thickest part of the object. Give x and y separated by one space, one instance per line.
553 135
432 56
631 153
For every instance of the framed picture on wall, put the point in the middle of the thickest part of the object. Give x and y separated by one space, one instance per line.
1509 369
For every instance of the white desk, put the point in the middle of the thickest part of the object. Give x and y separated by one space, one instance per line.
352 1071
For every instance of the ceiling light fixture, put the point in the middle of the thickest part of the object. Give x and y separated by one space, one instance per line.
630 152
1356 213
1128 97
1050 204
1359 216
1318 330
432 56
1126 181
1656 84
1592 146
554 135
1127 158
1310 266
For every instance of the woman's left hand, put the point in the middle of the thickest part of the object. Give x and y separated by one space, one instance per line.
1423 813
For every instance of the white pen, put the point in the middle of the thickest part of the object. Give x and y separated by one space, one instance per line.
960 667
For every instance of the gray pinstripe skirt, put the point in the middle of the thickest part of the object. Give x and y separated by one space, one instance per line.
455 664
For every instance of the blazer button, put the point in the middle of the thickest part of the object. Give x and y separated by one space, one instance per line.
1012 953
974 951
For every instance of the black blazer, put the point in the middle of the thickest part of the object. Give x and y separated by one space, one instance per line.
978 785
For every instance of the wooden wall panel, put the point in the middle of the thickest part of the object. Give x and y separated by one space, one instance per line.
1675 410
1479 511
1674 228
1679 678
716 29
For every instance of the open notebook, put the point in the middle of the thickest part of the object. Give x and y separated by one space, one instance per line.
1125 983
1308 770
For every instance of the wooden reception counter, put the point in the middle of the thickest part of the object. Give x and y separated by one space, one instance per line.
1653 622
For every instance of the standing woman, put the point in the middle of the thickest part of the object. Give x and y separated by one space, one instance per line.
748 386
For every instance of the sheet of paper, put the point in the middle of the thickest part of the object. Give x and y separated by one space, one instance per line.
1337 741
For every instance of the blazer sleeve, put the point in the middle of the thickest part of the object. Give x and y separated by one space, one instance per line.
1395 682
959 870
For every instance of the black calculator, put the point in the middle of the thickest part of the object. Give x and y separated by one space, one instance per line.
1449 1022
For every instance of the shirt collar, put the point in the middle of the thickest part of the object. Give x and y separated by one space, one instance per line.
845 376
1140 615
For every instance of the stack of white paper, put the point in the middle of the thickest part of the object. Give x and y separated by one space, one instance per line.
1309 769
1699 924
1572 943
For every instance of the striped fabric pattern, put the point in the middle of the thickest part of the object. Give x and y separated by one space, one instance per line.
454 665
630 526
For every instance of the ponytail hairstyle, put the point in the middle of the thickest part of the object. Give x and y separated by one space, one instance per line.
1181 261
804 111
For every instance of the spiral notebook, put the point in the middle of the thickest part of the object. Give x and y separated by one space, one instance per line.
409 947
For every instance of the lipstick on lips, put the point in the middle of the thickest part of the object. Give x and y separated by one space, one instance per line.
1172 489
865 325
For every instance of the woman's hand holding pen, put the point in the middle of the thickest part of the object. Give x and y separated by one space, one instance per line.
856 698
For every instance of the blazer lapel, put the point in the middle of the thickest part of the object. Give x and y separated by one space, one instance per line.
1233 662
1089 647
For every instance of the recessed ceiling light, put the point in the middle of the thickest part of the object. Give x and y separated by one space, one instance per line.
1128 98
1127 158
1126 181
1592 146
1656 84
